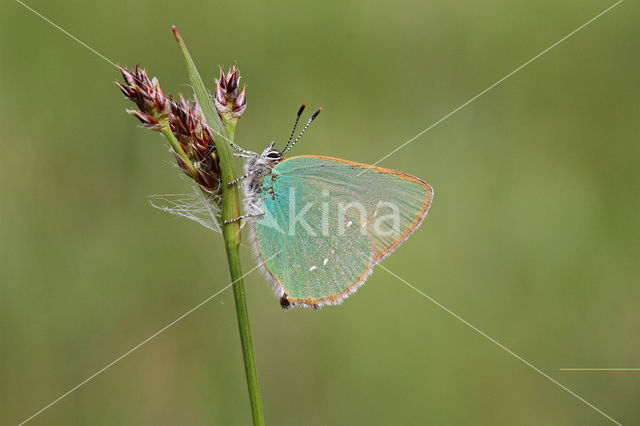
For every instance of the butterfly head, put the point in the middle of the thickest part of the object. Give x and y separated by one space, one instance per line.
269 154
256 164
269 157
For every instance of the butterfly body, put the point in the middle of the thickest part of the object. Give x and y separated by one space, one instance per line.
319 224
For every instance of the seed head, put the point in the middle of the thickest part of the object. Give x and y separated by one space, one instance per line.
187 125
229 100
146 93
183 120
148 121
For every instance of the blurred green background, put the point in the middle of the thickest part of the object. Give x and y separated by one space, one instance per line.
533 236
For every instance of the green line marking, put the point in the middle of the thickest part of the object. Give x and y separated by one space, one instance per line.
599 369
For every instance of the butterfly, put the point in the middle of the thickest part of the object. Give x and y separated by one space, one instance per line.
320 224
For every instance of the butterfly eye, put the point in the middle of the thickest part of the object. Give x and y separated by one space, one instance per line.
273 155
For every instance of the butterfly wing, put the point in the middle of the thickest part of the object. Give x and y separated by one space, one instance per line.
328 221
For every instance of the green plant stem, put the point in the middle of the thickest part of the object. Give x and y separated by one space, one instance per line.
231 231
166 131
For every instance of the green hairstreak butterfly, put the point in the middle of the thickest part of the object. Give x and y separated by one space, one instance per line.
320 224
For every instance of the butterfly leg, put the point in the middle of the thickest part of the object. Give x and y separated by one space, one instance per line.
244 151
244 176
257 213
235 154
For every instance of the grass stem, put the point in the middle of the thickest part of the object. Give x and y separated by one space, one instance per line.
230 232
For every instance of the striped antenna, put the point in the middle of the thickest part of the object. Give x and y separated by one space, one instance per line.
313 117
302 107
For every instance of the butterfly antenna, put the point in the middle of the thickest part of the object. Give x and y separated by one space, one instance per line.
302 107
313 117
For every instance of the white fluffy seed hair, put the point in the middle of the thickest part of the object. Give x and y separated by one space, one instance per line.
196 207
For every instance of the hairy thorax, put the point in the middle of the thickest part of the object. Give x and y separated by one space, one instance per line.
257 169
